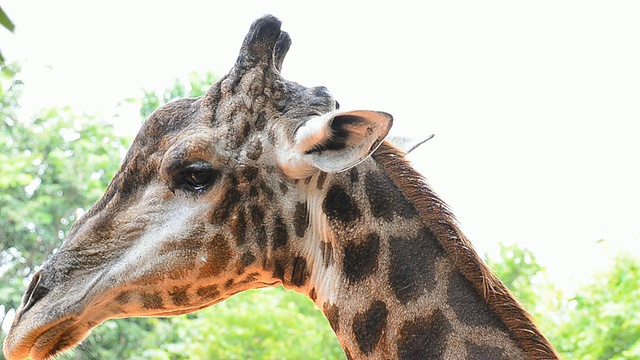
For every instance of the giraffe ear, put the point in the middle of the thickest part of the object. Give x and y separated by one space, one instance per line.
336 141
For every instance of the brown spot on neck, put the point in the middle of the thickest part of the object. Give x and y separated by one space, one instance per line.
413 264
369 326
361 258
415 334
339 206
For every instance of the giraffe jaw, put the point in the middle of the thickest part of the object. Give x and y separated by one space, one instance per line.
42 335
49 336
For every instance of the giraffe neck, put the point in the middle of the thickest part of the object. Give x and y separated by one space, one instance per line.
397 279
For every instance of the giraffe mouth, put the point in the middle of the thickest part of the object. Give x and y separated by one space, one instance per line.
49 327
45 341
61 337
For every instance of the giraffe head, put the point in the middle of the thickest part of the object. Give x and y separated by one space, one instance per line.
206 203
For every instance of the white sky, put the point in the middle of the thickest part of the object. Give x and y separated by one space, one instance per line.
535 105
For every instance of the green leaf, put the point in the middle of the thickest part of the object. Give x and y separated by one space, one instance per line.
5 21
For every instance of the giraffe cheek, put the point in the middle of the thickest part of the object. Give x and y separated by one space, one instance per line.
218 254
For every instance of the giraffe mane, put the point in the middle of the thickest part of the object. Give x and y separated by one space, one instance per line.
461 253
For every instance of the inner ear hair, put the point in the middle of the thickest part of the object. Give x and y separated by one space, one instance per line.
340 130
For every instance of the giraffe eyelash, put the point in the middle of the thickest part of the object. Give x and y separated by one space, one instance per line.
196 177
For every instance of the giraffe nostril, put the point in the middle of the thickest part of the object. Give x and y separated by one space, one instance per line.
34 293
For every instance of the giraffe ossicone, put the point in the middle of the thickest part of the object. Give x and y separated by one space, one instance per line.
264 182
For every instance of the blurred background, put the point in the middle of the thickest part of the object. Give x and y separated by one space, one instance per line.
534 106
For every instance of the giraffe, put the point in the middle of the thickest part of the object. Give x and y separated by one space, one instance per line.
264 182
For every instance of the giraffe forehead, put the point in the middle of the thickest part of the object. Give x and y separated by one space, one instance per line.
240 118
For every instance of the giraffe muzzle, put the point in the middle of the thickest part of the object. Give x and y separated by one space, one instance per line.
44 325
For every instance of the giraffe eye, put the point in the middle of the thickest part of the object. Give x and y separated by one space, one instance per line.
196 177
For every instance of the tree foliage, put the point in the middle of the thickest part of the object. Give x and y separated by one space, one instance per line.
257 324
599 322
52 168
602 320
516 268
193 85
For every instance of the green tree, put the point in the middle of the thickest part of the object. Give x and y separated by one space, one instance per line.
258 324
52 168
193 85
602 320
599 322
519 270
517 267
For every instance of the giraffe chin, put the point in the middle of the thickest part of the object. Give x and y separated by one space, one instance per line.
46 341
58 339
45 330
